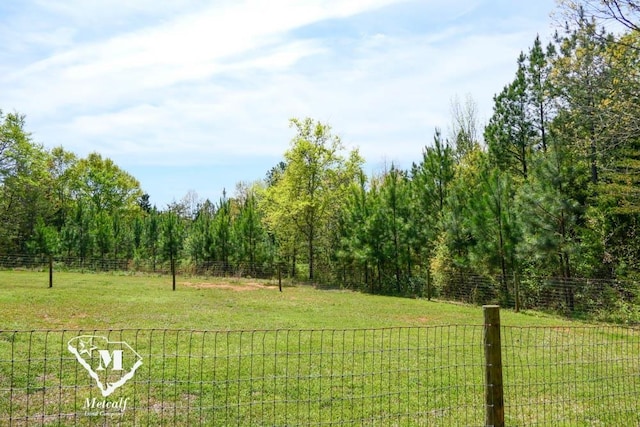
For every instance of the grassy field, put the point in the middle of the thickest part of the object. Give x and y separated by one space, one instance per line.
238 352
103 301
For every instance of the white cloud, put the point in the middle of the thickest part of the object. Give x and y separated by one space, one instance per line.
162 86
132 67
388 104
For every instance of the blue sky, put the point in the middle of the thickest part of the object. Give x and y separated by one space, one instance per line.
192 95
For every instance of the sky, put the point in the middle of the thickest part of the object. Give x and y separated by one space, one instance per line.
193 96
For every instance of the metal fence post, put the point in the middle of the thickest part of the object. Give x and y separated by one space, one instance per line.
50 271
494 402
516 285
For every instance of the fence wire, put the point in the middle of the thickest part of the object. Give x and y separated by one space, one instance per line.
577 376
376 377
410 376
598 299
608 300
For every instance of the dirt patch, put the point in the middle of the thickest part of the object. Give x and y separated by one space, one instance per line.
240 287
411 320
79 315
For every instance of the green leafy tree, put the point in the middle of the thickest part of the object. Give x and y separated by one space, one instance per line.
15 144
103 234
106 186
625 12
618 191
310 190
62 170
24 184
45 239
598 83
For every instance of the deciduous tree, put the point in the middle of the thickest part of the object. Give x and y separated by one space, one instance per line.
310 189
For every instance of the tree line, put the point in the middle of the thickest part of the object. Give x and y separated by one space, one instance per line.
548 187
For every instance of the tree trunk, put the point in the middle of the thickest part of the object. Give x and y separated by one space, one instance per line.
542 129
293 265
524 160
366 275
594 164
311 258
503 266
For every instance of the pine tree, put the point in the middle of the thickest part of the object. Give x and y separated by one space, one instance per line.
510 132
171 238
152 235
355 239
395 211
552 206
222 237
430 183
103 233
582 78
540 90
494 226
451 263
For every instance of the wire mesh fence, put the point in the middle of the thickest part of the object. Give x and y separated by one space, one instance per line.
401 376
571 376
414 376
601 299
106 264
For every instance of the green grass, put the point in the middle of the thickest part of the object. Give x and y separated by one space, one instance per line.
126 301
238 352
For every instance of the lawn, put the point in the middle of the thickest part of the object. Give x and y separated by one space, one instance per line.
239 352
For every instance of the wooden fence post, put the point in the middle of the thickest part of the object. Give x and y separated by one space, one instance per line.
494 401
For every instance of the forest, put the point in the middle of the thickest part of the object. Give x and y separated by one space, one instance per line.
549 187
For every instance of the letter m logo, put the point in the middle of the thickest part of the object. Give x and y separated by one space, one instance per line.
107 358
109 363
